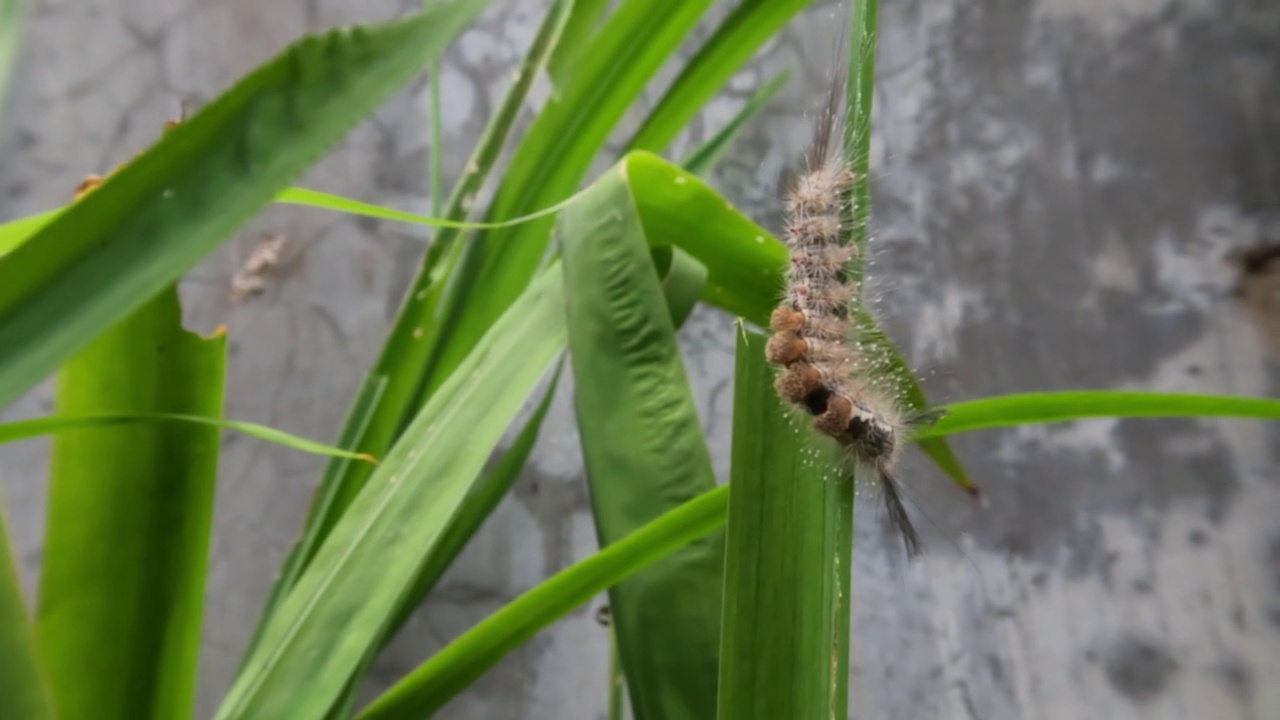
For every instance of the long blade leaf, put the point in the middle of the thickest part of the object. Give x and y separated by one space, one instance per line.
705 156
325 628
375 420
122 244
27 429
1052 407
748 26
431 685
550 162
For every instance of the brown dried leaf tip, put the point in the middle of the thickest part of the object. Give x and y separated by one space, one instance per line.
823 371
93 182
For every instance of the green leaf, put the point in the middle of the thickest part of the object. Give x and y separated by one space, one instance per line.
127 532
436 122
1052 407
616 708
881 352
577 32
744 262
750 24
361 413
326 201
705 156
23 690
479 504
431 685
27 429
164 211
682 278
16 232
459 663
399 373
787 566
328 624
10 38
860 83
643 449
551 160
859 93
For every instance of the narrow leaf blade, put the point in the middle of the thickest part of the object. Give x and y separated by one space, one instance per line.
748 26
24 692
301 665
391 394
431 685
1053 407
704 158
551 160
154 219
27 429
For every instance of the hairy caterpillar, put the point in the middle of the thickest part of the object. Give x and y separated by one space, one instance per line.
825 370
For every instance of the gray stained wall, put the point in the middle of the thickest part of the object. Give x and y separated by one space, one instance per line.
1059 185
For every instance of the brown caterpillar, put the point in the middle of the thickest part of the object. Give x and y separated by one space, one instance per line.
825 371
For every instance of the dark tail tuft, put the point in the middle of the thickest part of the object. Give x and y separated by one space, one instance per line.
827 123
898 516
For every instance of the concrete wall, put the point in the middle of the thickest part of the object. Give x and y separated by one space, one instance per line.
1059 184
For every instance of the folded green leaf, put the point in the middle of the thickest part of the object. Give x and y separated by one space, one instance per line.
127 531
643 449
744 262
164 211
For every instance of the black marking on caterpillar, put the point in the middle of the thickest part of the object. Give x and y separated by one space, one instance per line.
826 373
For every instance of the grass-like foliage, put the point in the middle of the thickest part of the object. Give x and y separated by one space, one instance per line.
561 272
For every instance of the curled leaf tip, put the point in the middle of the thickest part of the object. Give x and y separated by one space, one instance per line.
367 458
219 332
